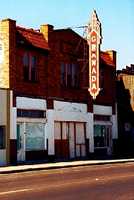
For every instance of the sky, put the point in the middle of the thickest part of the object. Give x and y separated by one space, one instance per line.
116 17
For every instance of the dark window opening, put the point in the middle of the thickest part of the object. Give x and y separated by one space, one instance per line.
102 117
29 67
18 137
2 137
33 68
63 75
31 113
70 75
26 66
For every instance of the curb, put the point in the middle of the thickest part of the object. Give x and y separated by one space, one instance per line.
36 167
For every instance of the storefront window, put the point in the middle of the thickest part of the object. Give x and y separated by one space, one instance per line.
100 136
34 136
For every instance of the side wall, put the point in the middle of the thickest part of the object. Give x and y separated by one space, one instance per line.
3 122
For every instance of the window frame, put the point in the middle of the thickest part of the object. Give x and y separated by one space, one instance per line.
29 69
70 75
24 113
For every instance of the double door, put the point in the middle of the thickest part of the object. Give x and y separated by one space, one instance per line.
70 139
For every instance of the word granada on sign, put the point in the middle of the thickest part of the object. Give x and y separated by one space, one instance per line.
93 40
94 76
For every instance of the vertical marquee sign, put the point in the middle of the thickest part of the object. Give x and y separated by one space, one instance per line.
94 41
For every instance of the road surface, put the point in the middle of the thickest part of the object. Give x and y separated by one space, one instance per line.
99 182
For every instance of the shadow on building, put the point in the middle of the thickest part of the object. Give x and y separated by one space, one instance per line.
125 146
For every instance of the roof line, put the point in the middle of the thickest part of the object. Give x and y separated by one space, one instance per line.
28 30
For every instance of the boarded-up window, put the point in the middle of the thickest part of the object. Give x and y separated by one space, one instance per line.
80 137
57 131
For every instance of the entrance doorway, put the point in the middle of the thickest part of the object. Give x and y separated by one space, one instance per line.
103 138
70 140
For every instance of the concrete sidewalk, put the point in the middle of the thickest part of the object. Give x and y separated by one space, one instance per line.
46 166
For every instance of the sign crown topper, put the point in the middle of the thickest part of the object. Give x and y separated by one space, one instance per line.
94 41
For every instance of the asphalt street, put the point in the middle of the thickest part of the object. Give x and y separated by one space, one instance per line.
98 182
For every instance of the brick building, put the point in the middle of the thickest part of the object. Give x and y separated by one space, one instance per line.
46 109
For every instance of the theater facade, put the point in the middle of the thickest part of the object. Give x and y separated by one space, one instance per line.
58 98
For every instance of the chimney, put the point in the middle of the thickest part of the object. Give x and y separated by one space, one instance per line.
112 55
132 67
46 29
8 42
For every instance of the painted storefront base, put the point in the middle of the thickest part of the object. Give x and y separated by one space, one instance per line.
63 133
66 132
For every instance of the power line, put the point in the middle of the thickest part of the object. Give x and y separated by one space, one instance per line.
75 27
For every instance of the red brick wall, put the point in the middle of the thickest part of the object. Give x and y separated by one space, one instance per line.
108 95
57 55
65 46
60 52
22 87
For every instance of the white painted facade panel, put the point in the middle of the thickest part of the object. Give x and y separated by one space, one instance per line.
102 110
13 121
29 103
70 107
70 116
50 131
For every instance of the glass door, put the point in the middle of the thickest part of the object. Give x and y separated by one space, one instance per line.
103 137
20 142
